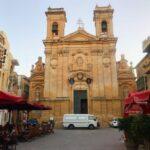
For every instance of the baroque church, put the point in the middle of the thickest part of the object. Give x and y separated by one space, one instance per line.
80 73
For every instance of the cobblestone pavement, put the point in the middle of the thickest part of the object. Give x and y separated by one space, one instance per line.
100 139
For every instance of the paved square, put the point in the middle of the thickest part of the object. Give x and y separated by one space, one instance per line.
100 139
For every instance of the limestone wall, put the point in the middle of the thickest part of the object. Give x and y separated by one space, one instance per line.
105 110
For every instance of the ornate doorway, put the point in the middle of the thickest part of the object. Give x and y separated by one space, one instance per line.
80 102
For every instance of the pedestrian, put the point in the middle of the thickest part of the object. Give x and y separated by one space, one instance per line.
123 138
51 125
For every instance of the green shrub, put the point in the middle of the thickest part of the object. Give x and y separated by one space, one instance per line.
136 127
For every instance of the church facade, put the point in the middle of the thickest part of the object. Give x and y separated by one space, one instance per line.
80 73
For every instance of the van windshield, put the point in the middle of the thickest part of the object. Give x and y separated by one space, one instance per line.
92 118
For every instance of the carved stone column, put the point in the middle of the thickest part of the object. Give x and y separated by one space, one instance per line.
100 75
114 76
107 76
65 74
47 77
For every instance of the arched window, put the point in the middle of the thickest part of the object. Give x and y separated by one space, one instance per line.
55 28
104 26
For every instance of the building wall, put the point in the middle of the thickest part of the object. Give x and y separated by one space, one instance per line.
126 78
6 67
7 64
105 110
143 68
23 86
95 65
88 61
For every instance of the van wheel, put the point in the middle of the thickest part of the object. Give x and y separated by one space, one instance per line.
71 126
91 127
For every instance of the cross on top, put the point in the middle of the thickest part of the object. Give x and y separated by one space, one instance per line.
80 24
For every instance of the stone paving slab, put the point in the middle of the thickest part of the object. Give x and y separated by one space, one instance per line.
100 139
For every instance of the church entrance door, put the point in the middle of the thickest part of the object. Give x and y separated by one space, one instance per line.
80 102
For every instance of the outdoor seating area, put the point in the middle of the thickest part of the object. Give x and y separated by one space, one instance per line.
32 131
10 135
8 138
13 131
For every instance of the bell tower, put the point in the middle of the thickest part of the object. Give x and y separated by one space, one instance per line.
103 21
56 19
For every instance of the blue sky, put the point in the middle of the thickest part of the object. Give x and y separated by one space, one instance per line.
24 22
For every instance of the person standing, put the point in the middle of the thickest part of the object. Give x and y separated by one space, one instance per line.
51 124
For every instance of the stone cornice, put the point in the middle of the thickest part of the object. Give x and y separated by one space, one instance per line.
37 80
55 99
37 75
100 98
98 41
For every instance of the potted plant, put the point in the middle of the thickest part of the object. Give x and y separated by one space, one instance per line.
137 131
125 124
144 130
140 129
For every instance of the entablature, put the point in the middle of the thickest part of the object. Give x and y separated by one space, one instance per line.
74 42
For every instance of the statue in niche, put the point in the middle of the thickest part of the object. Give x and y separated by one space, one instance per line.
37 94
123 63
79 61
39 65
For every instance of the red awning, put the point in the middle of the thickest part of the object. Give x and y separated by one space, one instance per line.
137 102
142 96
129 100
138 97
134 109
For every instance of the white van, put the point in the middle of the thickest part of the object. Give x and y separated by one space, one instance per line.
80 120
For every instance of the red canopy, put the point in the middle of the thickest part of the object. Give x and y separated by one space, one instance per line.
134 109
138 97
137 102
143 96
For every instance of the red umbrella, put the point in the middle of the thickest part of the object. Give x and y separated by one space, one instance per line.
11 102
8 101
7 97
23 105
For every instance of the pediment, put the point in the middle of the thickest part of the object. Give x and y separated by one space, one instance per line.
80 35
